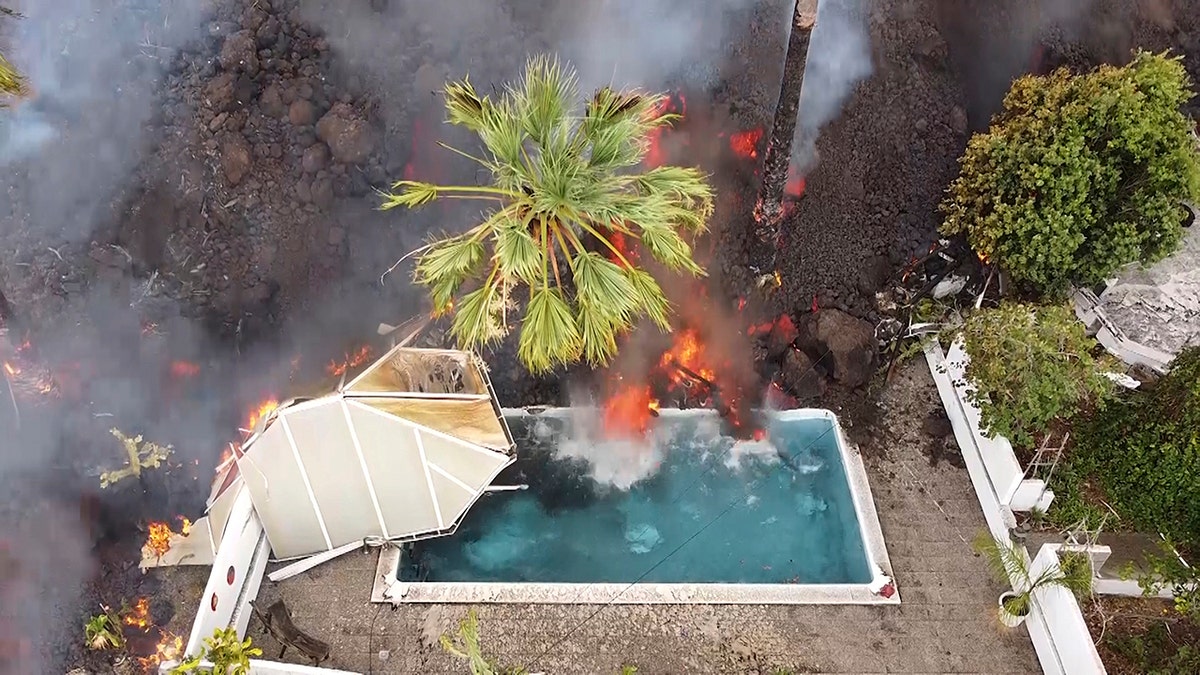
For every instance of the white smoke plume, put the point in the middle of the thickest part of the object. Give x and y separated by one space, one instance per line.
839 57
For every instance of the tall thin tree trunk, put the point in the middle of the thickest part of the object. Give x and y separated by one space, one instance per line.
768 210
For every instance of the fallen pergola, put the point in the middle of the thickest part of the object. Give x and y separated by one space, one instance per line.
393 452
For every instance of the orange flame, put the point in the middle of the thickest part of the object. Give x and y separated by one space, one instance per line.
184 369
169 648
138 616
12 370
260 412
689 352
359 357
675 104
628 412
158 541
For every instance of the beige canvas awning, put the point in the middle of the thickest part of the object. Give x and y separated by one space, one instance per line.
399 452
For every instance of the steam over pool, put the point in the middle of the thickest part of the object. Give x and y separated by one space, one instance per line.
693 505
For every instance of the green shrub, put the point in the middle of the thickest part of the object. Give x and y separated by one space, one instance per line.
1157 652
1146 451
1030 365
1079 175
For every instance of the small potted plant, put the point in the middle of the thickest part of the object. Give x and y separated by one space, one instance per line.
1010 564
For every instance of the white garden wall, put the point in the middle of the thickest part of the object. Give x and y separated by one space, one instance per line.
237 573
1055 624
1004 474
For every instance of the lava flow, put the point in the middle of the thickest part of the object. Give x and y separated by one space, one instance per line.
748 145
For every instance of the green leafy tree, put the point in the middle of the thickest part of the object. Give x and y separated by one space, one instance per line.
565 192
1029 365
1079 175
1146 450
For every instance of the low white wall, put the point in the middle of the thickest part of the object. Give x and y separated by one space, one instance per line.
259 667
1058 624
1004 475
1004 471
236 575
1055 623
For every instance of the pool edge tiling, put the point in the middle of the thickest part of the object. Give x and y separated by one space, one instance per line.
682 593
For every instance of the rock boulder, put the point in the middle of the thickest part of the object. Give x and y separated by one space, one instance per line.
347 133
843 343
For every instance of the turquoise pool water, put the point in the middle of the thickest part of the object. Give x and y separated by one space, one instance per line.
711 511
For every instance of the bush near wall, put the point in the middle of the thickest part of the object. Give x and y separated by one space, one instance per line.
1030 365
1079 175
1145 450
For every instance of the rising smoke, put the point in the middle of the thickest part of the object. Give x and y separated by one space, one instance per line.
839 57
95 70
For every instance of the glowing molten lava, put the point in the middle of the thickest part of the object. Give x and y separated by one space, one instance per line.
744 144
184 369
628 412
138 616
354 360
674 104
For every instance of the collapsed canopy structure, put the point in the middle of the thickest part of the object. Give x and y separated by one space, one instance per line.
398 452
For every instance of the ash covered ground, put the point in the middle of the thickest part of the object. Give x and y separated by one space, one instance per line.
193 183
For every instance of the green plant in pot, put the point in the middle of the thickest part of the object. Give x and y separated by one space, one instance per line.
1010 564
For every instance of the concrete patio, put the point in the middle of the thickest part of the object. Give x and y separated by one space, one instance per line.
929 513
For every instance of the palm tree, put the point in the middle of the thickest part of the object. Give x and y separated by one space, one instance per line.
11 82
1010 564
564 196
768 210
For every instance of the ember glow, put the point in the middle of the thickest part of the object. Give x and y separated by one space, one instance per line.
138 616
354 360
184 369
674 104
745 144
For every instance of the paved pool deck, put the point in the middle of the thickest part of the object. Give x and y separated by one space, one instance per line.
929 514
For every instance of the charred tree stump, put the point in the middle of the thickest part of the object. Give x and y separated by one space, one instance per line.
768 210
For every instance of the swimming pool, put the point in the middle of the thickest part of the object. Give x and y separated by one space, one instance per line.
688 516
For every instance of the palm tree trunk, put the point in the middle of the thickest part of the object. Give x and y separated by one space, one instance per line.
768 210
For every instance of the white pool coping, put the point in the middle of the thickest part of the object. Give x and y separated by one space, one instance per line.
679 593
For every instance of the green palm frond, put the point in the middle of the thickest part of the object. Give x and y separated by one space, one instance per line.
650 298
479 316
563 186
550 335
11 81
518 256
1005 561
544 99
409 193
